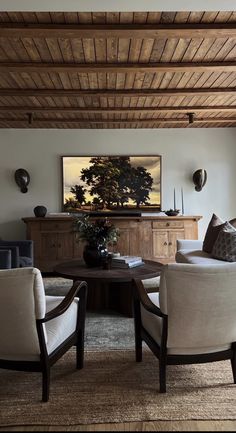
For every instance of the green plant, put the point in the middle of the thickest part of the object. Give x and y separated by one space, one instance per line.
98 232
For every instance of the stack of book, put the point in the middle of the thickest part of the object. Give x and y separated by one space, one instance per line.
126 261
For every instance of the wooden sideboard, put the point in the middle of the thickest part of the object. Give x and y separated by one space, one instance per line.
152 237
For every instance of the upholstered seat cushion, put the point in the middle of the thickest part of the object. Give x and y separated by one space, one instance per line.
151 322
60 328
25 300
25 261
151 283
153 325
57 330
195 257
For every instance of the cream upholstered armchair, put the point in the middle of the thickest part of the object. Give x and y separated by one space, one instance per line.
36 330
191 320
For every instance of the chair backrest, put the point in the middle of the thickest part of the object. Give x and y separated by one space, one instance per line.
5 259
200 301
22 301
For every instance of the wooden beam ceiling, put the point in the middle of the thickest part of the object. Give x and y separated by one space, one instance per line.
109 70
116 68
90 110
137 93
142 122
136 31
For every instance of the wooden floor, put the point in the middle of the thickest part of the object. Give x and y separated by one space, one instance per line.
137 426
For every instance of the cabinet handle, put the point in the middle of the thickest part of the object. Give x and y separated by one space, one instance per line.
167 224
165 243
59 245
170 243
53 245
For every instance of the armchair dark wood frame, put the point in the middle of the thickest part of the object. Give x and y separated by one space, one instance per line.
79 288
160 351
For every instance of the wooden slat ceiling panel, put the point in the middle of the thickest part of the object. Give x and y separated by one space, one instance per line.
115 50
117 18
151 74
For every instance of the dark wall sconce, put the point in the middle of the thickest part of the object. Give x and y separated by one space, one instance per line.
199 179
22 179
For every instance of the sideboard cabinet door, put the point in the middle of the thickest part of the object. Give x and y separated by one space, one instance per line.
129 238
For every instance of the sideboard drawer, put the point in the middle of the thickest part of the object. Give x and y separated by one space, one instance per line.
167 224
57 226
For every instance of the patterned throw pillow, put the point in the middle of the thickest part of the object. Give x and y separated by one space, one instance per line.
225 245
233 222
213 229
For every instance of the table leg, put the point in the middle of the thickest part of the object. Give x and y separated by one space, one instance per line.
121 298
98 296
110 296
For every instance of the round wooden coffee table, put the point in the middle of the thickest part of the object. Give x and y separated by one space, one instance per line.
108 288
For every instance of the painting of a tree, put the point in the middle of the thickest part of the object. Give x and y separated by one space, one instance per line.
109 183
101 177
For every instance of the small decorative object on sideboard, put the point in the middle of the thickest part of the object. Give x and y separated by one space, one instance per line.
40 211
126 262
98 235
172 212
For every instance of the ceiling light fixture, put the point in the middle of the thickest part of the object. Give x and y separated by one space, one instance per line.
30 118
190 117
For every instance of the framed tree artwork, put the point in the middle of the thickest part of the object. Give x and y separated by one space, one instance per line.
111 183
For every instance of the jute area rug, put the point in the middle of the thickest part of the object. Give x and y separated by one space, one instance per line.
104 329
112 387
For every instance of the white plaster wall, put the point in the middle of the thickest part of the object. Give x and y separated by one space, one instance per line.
183 151
114 5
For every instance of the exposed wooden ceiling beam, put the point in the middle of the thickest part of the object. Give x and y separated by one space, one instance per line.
6 67
117 92
15 30
117 110
116 122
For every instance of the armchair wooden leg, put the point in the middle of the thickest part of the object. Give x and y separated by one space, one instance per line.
233 365
137 330
162 375
80 350
81 327
138 348
46 383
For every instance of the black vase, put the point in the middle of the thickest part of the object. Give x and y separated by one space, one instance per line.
40 211
95 255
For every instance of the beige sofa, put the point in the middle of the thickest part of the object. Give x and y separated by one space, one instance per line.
190 251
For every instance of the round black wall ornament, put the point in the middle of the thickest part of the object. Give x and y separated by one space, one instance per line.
22 179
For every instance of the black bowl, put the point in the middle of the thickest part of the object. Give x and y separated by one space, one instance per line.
172 212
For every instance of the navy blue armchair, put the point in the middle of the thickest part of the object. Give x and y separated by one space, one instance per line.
5 259
21 254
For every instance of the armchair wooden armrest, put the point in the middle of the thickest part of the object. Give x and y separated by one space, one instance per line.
145 300
79 287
